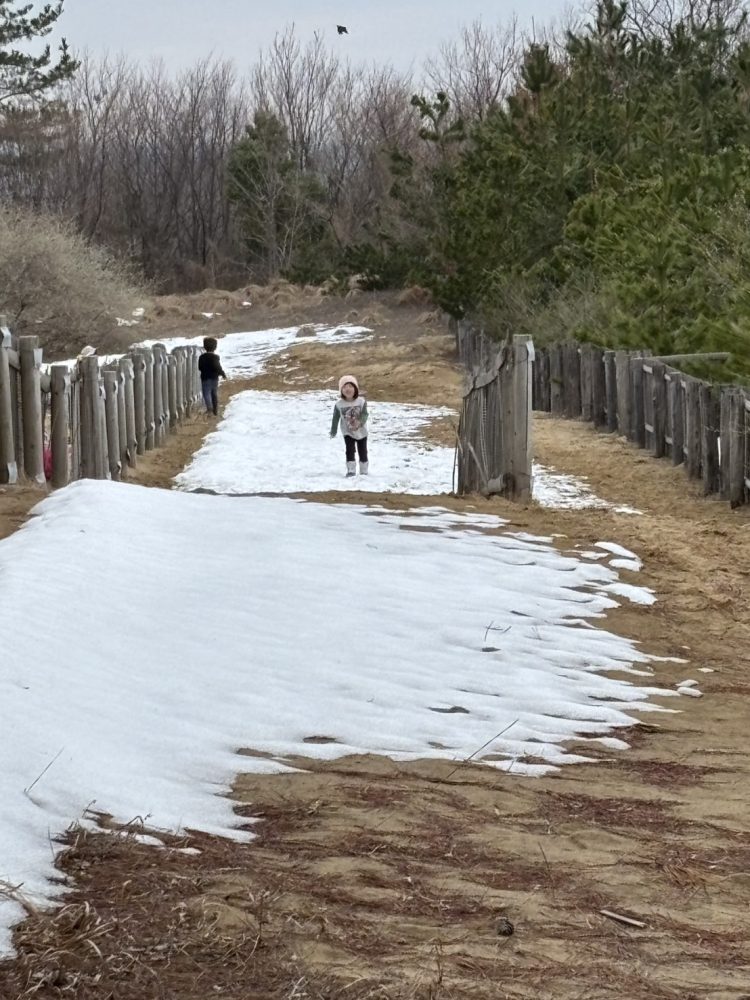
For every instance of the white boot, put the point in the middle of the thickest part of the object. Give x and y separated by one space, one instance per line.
351 469
364 468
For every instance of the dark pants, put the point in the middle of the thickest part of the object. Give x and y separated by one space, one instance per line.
210 388
360 446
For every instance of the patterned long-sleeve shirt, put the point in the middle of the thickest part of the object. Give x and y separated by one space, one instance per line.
352 414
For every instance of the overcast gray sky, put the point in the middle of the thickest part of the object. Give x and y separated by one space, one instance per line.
182 31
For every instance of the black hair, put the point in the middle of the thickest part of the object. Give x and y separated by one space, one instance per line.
209 343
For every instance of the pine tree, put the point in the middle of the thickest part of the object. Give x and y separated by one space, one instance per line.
279 204
25 77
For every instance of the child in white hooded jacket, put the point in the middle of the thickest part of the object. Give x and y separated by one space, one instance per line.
350 410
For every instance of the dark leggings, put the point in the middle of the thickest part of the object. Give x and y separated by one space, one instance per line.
360 446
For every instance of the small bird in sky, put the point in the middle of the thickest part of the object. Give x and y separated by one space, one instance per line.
342 29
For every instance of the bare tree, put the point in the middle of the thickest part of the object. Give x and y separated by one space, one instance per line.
295 84
649 18
144 166
93 99
478 69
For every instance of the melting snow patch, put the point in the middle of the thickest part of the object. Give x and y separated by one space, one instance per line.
244 355
554 489
249 646
633 565
277 442
617 550
636 595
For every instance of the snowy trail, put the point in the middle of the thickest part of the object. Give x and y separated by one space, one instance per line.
277 442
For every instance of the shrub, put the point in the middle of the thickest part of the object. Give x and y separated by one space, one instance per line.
55 284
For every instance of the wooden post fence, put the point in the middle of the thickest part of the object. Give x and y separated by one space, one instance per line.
703 427
95 421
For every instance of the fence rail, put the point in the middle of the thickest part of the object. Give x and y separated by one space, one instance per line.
88 420
494 450
704 427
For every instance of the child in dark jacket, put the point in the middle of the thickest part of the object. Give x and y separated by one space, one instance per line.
210 370
350 409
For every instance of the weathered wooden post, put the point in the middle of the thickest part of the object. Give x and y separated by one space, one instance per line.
196 376
187 391
122 433
93 442
520 442
179 357
75 424
725 418
737 447
103 443
122 422
139 399
556 388
598 388
710 429
148 357
165 390
610 389
572 380
659 404
31 404
60 392
162 416
127 387
676 404
544 383
8 464
637 414
587 382
159 429
112 424
693 447
172 393
624 393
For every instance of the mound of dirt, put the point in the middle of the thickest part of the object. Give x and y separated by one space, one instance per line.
414 296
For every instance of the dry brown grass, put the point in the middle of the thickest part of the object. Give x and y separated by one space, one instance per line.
368 880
